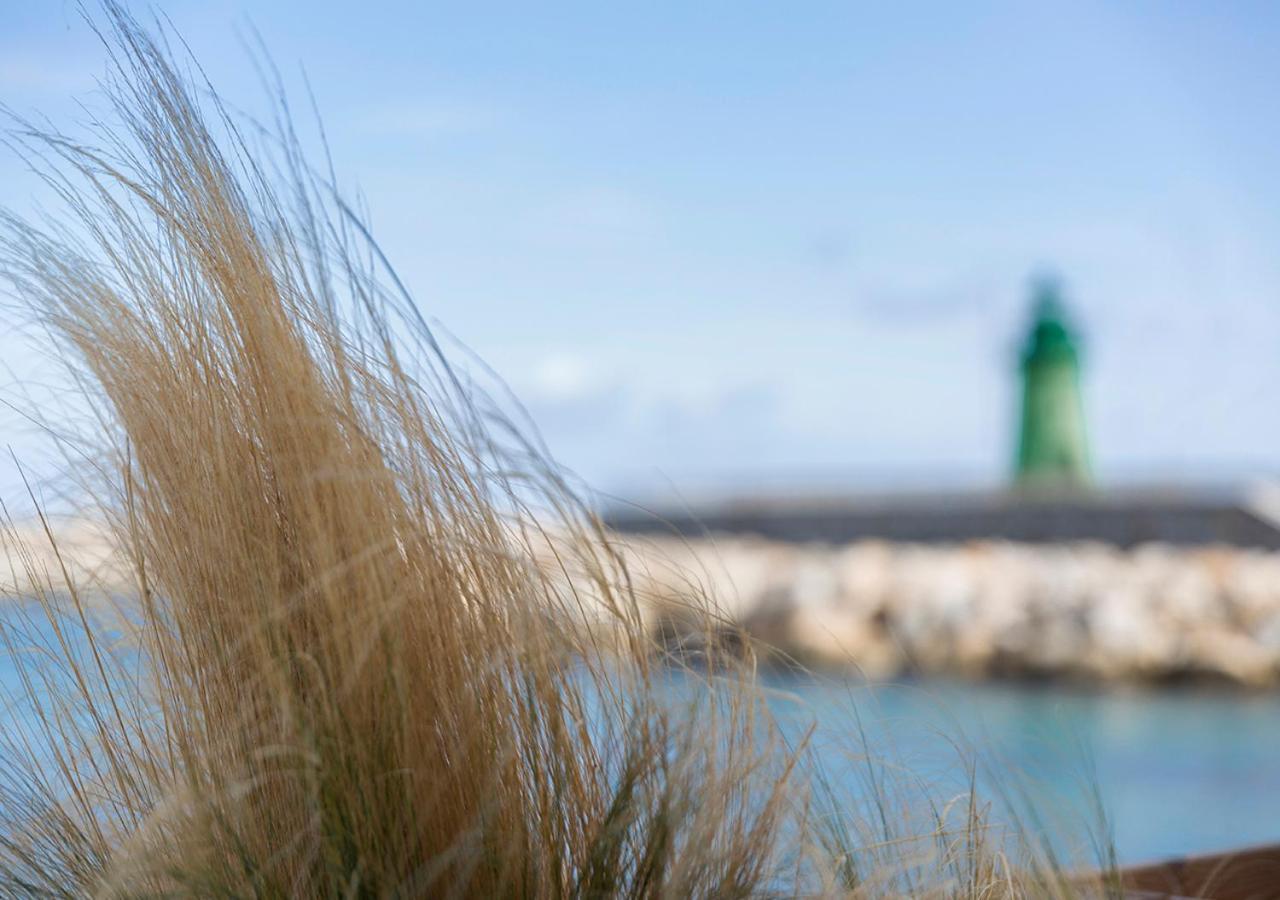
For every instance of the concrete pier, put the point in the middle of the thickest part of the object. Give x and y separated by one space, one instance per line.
1245 516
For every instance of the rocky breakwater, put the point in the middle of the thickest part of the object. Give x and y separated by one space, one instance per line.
1082 610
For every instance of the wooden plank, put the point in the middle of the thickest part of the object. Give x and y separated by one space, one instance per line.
1250 874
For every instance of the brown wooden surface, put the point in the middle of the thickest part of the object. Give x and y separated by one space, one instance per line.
1252 874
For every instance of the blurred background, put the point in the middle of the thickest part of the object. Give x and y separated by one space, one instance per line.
752 241
785 250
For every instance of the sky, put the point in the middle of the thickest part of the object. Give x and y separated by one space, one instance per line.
749 243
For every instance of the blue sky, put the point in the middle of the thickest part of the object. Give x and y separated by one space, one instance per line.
727 241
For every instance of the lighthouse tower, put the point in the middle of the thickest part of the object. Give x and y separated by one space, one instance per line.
1053 450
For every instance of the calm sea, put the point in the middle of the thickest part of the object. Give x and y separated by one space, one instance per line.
1179 770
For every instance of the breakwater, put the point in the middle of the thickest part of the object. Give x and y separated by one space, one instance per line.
1082 610
1085 610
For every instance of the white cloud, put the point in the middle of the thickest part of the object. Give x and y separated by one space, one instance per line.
562 376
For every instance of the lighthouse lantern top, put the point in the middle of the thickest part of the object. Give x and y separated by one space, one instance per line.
1052 338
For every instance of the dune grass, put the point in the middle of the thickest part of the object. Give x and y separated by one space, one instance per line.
371 643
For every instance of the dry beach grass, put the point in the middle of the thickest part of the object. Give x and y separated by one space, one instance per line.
343 667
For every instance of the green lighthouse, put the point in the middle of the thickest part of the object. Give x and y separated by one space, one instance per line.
1053 450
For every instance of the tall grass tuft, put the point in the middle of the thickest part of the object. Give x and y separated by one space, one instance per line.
371 644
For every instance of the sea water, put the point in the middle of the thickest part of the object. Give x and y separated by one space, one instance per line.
1178 771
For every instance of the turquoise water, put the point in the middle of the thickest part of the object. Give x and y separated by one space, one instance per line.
1179 771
